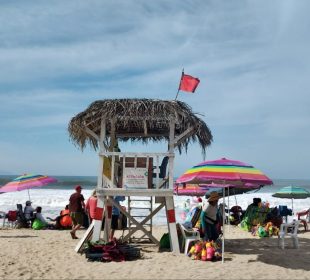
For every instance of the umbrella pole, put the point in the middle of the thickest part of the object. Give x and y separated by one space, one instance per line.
228 222
235 197
28 194
223 238
292 206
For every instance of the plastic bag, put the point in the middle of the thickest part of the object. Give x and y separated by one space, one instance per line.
38 224
262 232
164 242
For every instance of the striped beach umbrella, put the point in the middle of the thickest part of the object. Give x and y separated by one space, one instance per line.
224 171
228 173
26 182
292 192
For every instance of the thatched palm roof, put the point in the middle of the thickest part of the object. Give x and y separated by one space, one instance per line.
139 120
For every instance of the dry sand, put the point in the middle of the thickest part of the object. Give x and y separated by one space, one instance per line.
49 254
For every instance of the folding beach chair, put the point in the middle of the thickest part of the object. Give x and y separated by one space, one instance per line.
12 218
304 221
22 222
189 236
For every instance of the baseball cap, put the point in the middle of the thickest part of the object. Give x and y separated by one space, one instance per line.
78 187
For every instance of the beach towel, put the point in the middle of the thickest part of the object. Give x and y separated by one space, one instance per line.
193 216
111 251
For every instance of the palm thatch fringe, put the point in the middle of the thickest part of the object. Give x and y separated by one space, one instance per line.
141 120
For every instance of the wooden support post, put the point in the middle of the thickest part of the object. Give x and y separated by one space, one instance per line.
98 220
171 150
157 172
101 150
86 237
174 241
108 219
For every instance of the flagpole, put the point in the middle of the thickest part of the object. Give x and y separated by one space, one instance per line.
179 85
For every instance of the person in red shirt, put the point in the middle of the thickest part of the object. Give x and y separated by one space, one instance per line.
76 207
91 206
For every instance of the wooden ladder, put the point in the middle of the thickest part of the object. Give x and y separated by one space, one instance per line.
140 208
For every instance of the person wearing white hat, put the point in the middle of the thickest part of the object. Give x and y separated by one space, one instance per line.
209 218
28 211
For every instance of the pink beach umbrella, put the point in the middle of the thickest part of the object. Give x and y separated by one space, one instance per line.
224 171
26 182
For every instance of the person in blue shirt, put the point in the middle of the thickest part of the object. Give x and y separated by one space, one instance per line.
115 216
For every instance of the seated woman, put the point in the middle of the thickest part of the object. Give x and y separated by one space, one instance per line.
209 218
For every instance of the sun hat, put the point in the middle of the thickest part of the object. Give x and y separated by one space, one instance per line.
214 196
78 187
28 202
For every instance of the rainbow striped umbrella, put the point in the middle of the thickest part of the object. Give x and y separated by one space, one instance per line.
227 173
26 182
224 171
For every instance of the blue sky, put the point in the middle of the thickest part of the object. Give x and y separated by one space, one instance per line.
252 57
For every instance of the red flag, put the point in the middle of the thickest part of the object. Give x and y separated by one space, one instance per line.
188 83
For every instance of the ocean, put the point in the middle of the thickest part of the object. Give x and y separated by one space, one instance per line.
54 197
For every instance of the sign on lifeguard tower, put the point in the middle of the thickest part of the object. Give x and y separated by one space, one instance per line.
135 178
137 172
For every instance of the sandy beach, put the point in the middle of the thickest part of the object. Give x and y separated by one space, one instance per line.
49 254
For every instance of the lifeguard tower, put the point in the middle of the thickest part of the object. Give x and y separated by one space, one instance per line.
134 174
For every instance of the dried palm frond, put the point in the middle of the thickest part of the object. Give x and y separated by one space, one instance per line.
141 120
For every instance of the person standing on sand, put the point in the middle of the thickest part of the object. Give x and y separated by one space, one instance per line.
115 216
209 218
91 206
76 207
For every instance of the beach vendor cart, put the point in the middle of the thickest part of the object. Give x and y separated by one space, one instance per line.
136 175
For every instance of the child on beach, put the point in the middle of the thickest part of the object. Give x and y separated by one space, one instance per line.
39 221
39 216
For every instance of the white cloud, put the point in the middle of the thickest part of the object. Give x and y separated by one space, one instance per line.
252 59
